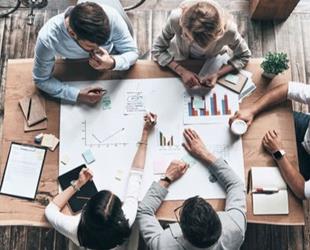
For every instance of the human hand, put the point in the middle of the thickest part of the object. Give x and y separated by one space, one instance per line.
176 170
195 146
84 176
100 59
190 79
149 121
246 115
209 81
91 95
272 141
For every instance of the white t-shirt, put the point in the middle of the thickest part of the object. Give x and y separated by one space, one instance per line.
301 93
68 224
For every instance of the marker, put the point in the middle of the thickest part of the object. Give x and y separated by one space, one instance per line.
148 113
265 190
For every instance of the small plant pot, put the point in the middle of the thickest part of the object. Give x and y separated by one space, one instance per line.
269 75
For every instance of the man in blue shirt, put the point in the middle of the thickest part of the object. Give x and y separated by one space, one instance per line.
87 30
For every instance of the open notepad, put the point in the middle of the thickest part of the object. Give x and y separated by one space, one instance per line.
274 202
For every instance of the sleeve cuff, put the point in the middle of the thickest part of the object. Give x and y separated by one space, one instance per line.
73 94
307 189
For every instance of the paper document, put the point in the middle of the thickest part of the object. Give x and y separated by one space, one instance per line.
23 170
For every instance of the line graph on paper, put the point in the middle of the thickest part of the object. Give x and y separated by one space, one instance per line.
94 136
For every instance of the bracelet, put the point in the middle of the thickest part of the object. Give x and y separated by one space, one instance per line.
75 187
175 68
141 143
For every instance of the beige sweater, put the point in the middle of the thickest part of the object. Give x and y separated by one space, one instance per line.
171 45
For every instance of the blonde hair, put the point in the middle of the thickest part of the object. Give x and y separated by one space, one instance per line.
205 21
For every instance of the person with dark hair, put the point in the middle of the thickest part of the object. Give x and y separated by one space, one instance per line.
92 30
198 225
105 221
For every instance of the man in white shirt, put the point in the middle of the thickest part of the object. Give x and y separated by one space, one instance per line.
298 181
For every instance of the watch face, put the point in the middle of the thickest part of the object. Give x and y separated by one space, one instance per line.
277 155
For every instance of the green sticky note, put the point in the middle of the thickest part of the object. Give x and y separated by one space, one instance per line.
234 79
198 103
191 161
106 102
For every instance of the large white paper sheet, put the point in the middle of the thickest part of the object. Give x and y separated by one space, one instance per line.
112 134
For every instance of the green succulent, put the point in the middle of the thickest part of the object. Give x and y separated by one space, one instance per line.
275 63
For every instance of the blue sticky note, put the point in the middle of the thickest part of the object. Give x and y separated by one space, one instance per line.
88 156
234 79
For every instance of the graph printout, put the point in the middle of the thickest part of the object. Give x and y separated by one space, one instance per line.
111 130
214 107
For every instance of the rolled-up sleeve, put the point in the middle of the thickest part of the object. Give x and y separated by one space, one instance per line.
162 43
124 45
130 205
241 51
44 61
299 92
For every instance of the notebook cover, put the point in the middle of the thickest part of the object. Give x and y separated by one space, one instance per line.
234 87
88 190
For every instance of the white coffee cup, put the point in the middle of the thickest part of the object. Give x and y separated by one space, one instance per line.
238 127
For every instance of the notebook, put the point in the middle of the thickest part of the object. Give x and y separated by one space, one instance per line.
234 82
79 199
274 202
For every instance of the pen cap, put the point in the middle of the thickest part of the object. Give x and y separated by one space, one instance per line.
238 127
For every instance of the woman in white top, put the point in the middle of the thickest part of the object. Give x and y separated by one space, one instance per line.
104 222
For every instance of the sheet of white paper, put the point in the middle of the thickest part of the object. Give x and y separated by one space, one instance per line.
114 151
212 65
23 171
276 203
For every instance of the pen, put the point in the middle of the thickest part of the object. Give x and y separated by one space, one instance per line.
265 190
83 198
149 114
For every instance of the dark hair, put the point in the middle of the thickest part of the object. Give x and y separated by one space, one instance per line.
90 22
199 222
103 224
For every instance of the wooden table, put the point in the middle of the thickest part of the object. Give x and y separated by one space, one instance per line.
15 211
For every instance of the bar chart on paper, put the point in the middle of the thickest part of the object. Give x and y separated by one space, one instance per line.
215 107
167 141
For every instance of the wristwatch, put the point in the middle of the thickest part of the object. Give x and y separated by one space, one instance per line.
278 154
166 179
74 185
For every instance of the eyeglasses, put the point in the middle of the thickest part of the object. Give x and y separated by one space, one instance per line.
176 212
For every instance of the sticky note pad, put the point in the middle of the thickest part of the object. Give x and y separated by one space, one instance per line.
65 159
198 103
106 102
119 175
234 79
189 160
50 141
88 156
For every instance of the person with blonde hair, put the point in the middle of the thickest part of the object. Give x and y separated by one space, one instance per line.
200 30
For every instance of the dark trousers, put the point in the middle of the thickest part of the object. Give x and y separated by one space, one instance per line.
301 124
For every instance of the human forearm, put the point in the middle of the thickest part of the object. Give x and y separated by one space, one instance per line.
292 177
139 159
225 70
62 198
273 97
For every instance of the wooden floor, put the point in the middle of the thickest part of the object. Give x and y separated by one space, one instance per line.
17 40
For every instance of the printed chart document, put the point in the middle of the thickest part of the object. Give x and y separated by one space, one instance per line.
112 134
23 170
269 191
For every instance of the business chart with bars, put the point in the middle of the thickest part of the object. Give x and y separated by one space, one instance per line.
112 128
214 107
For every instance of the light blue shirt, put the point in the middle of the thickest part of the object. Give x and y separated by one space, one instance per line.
54 39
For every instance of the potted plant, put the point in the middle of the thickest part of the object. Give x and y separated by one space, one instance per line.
274 64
